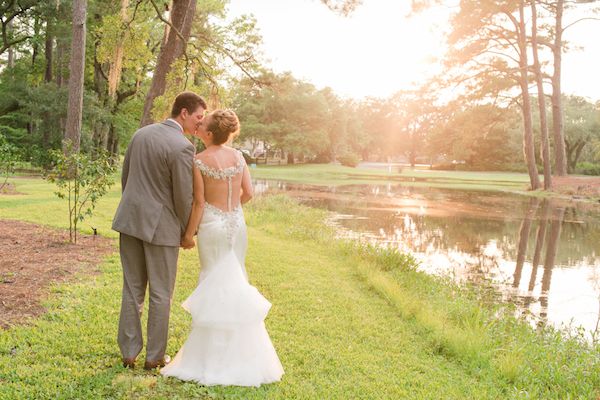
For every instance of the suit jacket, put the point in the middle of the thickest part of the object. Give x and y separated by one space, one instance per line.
156 185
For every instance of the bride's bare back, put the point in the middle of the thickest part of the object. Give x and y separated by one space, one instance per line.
221 176
225 177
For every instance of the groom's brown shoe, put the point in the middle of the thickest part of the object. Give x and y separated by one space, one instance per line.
129 362
150 365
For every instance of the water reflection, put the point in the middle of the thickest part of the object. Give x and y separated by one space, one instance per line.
542 255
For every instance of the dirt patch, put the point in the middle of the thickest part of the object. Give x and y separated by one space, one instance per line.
33 257
578 186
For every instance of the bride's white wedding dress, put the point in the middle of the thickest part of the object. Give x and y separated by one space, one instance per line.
228 344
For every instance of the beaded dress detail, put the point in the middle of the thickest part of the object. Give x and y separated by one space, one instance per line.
228 343
231 217
226 173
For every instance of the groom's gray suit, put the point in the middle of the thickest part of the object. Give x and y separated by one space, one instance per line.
151 217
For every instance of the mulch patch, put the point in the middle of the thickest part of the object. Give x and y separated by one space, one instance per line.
32 257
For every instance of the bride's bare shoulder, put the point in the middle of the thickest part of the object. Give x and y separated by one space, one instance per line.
202 155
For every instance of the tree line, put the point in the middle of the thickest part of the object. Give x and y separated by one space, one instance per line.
123 60
502 51
497 105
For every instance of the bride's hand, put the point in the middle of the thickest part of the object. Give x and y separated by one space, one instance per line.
187 242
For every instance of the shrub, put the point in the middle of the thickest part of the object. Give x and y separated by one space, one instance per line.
443 167
8 160
81 180
588 168
349 159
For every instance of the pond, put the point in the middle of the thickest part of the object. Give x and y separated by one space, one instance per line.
542 255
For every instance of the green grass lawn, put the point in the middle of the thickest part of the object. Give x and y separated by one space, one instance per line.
348 322
329 174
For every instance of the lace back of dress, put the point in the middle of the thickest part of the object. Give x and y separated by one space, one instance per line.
229 190
223 174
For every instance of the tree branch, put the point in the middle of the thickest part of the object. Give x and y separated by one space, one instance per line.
121 96
579 20
15 13
158 13
8 45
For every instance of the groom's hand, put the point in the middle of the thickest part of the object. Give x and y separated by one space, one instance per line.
187 243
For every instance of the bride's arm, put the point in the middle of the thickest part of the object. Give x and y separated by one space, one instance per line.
247 190
187 242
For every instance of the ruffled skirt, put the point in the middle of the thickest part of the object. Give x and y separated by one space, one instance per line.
228 344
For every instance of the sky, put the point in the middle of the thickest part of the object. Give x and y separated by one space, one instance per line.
378 50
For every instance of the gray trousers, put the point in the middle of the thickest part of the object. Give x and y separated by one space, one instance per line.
145 264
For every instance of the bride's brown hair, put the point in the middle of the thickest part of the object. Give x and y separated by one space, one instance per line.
223 124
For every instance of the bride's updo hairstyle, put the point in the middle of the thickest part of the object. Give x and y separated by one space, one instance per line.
223 124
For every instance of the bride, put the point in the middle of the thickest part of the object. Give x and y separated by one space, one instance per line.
228 344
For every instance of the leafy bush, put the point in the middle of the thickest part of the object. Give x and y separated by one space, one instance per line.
82 180
588 168
8 160
443 167
349 159
323 157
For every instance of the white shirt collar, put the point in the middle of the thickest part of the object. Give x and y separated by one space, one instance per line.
178 124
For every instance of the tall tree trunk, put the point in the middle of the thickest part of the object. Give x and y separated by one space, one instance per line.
116 64
545 151
560 159
76 67
577 154
574 152
60 55
99 76
61 45
214 101
11 51
528 146
167 26
36 47
182 14
112 143
48 50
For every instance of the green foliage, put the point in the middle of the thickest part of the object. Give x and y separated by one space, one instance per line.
111 33
349 159
33 97
293 116
588 168
385 258
8 160
582 130
82 181
218 49
289 115
484 137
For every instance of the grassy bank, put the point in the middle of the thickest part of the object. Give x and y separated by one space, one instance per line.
513 182
347 322
329 174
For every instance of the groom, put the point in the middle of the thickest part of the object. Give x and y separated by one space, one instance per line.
151 217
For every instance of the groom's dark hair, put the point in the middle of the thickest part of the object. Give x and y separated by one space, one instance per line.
188 100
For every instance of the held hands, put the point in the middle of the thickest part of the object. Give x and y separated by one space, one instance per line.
187 242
